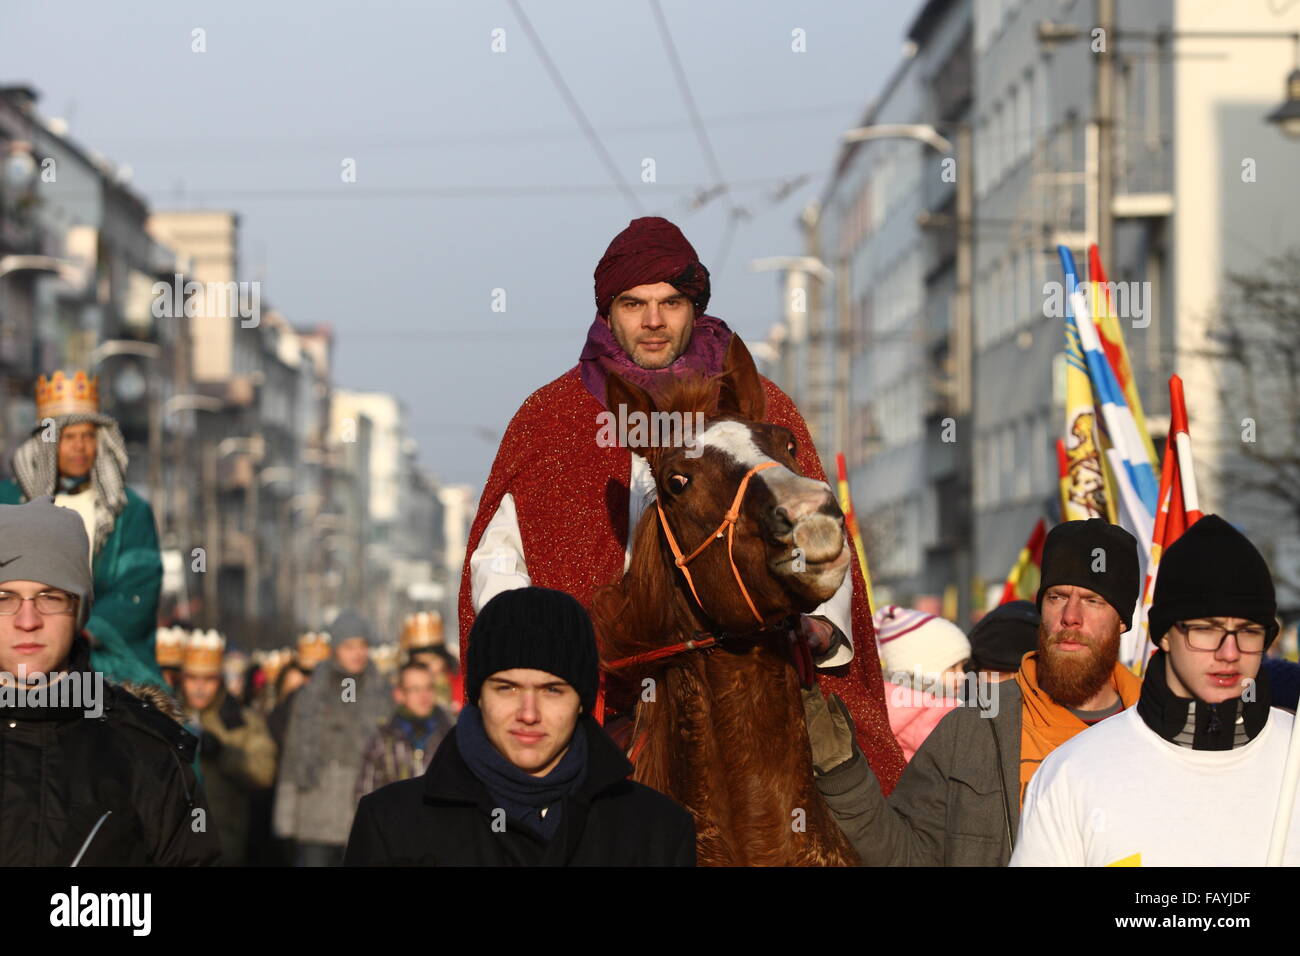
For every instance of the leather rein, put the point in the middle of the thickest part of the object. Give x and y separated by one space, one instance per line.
701 640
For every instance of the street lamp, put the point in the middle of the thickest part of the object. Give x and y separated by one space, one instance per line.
129 387
922 132
111 347
64 268
192 403
1287 116
963 318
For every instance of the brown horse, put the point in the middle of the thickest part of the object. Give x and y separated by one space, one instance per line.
721 729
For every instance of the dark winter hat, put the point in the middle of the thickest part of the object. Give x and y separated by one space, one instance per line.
1212 571
1003 636
348 624
1074 548
537 628
651 249
42 542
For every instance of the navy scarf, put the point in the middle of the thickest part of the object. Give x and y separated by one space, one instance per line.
417 730
516 791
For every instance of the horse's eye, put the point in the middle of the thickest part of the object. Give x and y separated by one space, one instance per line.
677 483
790 446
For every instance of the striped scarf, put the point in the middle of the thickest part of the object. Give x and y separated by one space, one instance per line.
35 466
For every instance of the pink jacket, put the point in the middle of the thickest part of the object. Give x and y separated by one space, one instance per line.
913 714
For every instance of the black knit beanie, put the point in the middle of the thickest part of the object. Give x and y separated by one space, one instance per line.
1074 548
537 628
1003 636
1212 571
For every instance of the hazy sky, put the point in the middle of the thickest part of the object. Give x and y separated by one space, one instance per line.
472 174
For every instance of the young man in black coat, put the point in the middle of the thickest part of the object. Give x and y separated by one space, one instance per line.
527 777
94 774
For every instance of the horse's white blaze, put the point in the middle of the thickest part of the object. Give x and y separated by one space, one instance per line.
735 439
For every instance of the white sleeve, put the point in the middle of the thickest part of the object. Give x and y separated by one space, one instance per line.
839 611
498 562
1050 833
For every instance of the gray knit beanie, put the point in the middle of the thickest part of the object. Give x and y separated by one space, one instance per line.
40 541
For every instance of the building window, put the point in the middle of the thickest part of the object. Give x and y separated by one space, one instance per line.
997 161
1041 476
1009 462
1027 114
1023 291
1013 125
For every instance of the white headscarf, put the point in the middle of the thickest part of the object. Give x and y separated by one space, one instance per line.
36 468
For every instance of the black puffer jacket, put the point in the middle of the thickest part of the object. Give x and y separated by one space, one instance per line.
444 818
119 785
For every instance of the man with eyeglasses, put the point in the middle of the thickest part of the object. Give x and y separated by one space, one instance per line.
93 774
1149 787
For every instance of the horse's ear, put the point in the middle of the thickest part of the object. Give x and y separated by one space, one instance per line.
619 391
740 391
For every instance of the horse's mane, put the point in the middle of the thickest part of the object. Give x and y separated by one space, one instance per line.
688 393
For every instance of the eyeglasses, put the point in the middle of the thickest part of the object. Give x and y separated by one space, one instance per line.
1210 637
47 602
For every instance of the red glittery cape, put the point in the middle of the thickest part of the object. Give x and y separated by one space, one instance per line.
571 497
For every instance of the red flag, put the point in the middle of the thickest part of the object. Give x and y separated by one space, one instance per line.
1179 504
1022 582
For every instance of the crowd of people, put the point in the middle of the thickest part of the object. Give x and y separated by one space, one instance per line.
1025 742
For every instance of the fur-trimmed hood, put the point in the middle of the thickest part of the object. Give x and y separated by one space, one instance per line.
163 701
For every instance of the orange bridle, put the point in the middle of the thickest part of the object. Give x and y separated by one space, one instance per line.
729 526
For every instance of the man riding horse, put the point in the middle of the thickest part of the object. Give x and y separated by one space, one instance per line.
560 503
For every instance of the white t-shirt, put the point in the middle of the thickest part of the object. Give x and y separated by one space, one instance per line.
1118 794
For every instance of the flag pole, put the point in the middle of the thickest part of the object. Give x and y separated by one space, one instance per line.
851 522
1285 800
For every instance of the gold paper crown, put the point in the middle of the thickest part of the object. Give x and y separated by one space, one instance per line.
169 646
313 647
385 657
66 395
421 629
203 653
273 662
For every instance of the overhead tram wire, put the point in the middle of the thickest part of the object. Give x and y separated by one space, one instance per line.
684 85
572 102
439 192
509 137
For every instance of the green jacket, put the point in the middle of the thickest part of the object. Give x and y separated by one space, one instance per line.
128 577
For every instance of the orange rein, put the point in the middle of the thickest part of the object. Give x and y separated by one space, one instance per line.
699 642
728 525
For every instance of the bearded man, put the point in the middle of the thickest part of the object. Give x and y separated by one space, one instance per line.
78 455
1151 787
959 801
559 504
